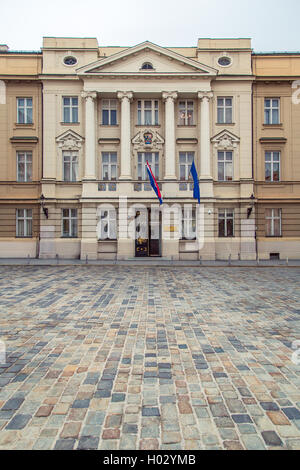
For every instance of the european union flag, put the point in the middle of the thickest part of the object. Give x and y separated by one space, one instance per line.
196 194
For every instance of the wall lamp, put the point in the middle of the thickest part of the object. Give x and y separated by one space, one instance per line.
250 209
45 209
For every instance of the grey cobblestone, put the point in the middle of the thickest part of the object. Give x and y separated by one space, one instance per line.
122 357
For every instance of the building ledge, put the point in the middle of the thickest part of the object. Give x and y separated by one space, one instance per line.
109 140
24 139
281 140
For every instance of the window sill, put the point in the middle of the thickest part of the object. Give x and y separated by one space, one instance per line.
63 181
225 123
70 123
223 237
272 182
148 125
109 125
19 236
184 126
69 238
225 181
24 124
275 126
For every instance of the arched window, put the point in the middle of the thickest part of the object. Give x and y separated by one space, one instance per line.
147 66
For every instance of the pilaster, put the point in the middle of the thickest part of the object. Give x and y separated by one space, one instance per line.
125 97
170 144
90 135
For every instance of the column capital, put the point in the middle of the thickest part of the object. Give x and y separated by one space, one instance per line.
205 95
125 95
170 95
89 94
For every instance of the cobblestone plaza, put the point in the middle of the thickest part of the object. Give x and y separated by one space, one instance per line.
140 357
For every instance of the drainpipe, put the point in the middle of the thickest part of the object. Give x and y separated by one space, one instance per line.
252 152
42 161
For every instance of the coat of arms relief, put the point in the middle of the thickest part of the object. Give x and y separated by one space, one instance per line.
147 140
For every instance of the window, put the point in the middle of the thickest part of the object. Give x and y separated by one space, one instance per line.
272 110
273 222
109 166
70 166
224 61
70 60
24 166
24 110
69 223
272 166
225 167
189 224
224 110
147 66
109 112
24 223
185 162
70 109
186 113
226 223
108 225
153 160
148 113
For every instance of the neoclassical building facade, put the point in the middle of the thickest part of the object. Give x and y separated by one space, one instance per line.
78 123
106 111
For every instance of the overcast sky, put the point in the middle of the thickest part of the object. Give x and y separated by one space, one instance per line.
272 24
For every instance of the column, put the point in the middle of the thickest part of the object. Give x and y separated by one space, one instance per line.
205 165
125 97
90 135
170 147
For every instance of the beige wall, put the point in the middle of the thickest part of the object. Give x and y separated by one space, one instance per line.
275 75
19 72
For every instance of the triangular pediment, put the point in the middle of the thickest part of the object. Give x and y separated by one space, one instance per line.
130 61
69 140
225 139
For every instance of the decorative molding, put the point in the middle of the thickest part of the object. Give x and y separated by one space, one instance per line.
69 140
173 95
125 95
23 140
278 140
205 95
225 140
139 141
89 94
183 140
192 65
109 140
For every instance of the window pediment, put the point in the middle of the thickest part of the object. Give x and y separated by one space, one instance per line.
69 140
225 140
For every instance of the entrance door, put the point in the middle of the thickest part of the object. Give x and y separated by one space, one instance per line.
148 239
155 233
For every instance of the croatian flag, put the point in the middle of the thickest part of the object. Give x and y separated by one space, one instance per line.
196 194
153 183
